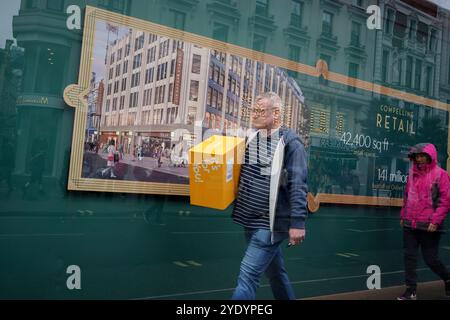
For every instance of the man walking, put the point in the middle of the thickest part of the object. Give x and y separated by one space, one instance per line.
271 202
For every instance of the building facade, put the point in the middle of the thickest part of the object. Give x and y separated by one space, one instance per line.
156 85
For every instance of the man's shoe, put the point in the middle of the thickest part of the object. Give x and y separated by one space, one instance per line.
447 288
409 294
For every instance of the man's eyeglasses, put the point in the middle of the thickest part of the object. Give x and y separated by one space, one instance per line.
260 112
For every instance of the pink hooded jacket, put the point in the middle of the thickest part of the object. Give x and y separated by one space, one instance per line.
427 192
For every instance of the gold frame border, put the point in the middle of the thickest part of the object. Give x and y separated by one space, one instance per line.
360 200
75 96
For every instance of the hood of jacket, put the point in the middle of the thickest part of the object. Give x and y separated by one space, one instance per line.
288 135
430 150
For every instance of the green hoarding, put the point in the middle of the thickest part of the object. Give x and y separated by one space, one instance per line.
359 97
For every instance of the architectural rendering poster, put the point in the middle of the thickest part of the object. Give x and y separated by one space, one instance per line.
151 97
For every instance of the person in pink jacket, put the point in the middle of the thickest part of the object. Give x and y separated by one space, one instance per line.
425 205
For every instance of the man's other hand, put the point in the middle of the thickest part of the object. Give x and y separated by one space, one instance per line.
296 236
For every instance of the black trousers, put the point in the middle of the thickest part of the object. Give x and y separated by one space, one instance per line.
429 244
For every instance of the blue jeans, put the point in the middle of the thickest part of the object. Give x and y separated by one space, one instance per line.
262 257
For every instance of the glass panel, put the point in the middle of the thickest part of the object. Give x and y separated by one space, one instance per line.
99 113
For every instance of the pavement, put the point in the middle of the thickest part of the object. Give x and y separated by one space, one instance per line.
146 247
432 290
134 170
151 163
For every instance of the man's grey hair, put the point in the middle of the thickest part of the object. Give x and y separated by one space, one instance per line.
275 100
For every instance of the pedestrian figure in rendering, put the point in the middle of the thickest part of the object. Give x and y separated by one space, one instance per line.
134 152
111 153
426 204
271 201
159 155
139 152
121 151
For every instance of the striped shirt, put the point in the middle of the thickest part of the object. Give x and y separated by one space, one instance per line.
251 209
